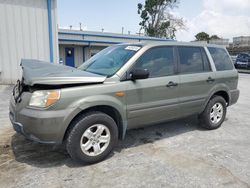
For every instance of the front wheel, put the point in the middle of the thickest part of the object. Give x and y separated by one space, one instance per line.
92 137
214 114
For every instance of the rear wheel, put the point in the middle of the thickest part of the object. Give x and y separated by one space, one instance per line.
92 137
214 114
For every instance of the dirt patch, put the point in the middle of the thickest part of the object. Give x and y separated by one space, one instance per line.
10 170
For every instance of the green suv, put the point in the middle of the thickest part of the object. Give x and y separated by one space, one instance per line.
123 87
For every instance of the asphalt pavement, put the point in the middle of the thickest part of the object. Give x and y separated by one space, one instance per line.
173 154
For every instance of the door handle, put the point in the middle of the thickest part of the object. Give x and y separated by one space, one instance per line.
210 79
172 84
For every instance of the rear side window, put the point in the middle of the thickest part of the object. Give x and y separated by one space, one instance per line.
221 59
159 61
191 60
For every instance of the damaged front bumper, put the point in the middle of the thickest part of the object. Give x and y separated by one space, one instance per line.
43 126
18 127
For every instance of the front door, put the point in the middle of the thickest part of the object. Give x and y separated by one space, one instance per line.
70 57
154 99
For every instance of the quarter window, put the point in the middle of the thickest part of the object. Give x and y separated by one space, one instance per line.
158 61
221 59
191 60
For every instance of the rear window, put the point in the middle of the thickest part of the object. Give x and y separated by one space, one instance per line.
221 59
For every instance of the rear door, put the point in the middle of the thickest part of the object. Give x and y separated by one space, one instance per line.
196 79
154 99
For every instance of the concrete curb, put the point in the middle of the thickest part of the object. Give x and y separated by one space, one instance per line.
243 71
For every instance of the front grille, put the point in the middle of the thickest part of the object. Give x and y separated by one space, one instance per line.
17 91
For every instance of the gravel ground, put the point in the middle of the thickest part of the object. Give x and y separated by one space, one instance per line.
174 154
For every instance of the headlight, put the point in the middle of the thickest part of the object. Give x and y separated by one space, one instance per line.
44 99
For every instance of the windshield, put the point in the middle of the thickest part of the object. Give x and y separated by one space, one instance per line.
110 60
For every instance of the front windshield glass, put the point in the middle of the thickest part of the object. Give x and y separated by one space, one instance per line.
110 60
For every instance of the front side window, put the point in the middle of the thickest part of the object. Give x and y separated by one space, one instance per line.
191 60
110 60
221 59
159 61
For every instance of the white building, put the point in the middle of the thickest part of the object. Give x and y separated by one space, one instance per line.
28 29
242 41
75 47
222 42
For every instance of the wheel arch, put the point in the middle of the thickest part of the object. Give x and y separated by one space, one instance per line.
219 92
107 109
223 94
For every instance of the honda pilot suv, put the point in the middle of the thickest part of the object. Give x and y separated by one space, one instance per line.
125 86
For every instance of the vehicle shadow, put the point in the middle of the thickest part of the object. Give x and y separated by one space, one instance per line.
45 156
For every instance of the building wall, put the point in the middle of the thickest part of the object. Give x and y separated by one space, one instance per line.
243 41
92 50
24 34
105 38
81 53
78 54
92 42
222 42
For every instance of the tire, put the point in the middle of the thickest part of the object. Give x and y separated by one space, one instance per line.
209 118
84 132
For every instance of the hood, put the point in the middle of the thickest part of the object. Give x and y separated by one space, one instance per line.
39 72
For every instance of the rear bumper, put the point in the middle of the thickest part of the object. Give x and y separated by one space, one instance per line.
234 96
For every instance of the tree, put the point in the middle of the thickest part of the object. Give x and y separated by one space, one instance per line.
157 21
202 36
214 37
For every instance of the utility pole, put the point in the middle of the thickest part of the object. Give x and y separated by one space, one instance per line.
139 32
80 26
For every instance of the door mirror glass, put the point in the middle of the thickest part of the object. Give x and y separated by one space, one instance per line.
139 74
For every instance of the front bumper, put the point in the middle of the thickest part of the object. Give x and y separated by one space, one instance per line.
18 127
43 126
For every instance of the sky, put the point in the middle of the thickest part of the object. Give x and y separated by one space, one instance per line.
225 18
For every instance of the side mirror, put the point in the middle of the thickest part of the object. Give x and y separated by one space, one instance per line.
139 74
